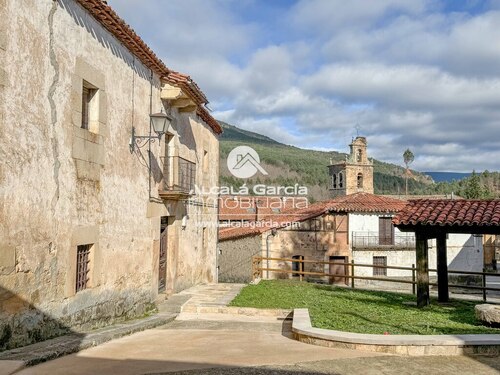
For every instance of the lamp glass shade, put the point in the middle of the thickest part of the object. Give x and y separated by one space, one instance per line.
161 122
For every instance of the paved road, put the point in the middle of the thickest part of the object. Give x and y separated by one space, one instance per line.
239 347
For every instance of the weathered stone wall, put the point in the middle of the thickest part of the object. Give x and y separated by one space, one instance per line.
315 239
63 186
235 259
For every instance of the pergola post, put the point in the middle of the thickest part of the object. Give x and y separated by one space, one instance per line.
442 268
422 251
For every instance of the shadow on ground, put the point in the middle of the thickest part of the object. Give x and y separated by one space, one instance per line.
387 365
23 324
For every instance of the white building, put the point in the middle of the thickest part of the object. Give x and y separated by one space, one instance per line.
374 240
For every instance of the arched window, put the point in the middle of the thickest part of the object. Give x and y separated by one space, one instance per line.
360 180
359 156
341 180
334 181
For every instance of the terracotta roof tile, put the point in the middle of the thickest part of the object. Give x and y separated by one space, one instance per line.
250 207
359 202
110 20
446 212
279 221
365 202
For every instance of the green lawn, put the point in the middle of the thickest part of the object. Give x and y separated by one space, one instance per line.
363 311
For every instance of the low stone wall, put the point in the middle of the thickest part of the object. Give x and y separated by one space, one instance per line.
411 345
232 310
22 324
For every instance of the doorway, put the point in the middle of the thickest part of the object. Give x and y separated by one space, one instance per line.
386 231
338 271
162 263
297 265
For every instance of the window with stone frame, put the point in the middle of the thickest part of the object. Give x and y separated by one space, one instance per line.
379 261
83 255
89 105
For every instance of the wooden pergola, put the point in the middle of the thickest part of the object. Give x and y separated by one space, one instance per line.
431 219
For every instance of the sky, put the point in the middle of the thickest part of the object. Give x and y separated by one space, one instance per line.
418 74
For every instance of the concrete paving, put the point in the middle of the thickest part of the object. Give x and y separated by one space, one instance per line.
224 344
230 347
187 345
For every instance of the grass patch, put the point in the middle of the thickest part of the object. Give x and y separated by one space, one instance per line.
363 311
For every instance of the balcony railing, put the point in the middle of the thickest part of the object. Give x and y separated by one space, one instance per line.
371 240
179 177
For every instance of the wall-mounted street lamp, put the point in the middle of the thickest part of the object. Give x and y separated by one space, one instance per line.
160 122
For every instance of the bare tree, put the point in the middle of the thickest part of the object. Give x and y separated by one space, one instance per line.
408 158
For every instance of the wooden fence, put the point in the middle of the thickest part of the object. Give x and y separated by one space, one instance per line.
350 275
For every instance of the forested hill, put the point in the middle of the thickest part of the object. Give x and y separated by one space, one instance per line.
288 165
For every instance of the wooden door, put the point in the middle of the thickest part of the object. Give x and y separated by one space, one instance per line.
386 231
162 264
337 271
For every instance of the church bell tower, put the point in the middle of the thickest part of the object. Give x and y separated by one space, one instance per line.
353 175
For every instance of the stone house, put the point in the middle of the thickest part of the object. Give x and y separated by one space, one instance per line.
96 227
355 225
320 232
244 209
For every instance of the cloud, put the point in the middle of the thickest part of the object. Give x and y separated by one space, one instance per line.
418 74
325 16
404 85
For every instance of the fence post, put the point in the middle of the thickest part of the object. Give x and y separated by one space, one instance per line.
301 268
484 285
352 274
253 269
413 279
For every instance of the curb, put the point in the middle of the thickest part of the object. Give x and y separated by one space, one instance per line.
411 345
50 349
233 310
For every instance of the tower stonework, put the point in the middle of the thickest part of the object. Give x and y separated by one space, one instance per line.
353 175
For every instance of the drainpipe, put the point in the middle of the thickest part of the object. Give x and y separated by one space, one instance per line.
272 234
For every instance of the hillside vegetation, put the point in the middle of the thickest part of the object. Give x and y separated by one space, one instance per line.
288 165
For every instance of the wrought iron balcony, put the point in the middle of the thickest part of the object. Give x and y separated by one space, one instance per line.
179 177
366 240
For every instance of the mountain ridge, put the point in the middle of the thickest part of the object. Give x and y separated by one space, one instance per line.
288 165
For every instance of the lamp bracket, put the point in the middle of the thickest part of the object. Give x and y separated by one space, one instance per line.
141 140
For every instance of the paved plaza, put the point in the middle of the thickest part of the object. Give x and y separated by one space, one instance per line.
230 344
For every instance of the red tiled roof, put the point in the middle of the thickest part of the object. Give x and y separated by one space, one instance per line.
110 20
422 196
280 221
187 85
358 202
447 212
254 207
365 202
207 117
